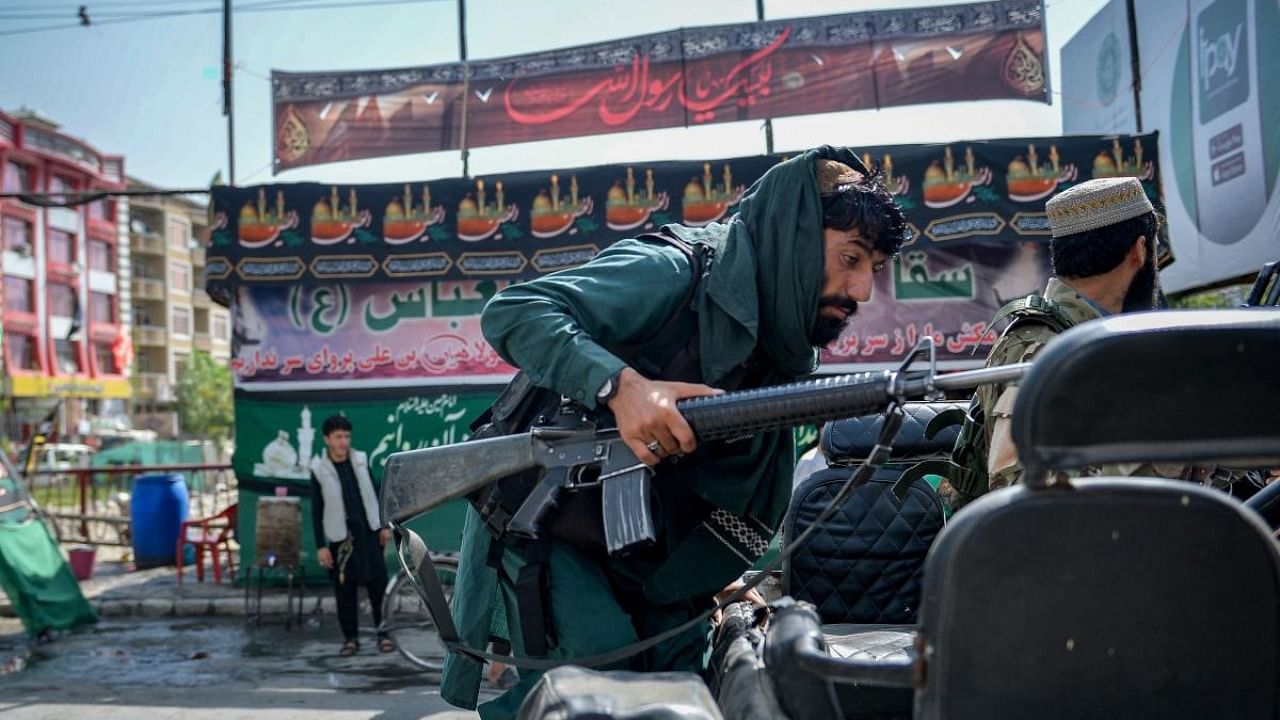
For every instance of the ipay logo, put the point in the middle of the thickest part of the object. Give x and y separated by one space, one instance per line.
1222 52
1220 55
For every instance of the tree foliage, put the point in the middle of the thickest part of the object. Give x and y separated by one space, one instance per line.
205 408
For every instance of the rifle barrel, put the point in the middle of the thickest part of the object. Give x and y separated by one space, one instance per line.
824 399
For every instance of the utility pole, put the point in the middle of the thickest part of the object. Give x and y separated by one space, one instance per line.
227 72
1135 63
466 86
768 124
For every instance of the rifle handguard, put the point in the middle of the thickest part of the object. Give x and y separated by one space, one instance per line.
746 412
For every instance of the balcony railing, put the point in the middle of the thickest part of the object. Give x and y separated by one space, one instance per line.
202 341
146 244
148 289
155 387
150 335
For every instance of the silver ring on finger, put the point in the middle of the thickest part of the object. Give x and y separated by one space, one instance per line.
654 447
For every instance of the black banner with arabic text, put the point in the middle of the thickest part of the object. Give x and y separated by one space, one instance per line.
682 78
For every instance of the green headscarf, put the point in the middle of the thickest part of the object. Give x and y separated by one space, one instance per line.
769 274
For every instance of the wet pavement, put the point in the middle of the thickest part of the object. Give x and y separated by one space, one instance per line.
210 667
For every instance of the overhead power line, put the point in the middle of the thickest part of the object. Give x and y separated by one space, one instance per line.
75 199
124 17
98 10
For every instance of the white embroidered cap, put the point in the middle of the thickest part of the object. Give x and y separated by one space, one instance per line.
1096 203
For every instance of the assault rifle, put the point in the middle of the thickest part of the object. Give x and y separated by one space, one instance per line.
574 452
1266 287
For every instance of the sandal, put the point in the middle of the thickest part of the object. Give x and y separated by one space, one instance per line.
385 644
349 648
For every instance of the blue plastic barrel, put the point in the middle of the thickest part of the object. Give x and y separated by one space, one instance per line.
157 509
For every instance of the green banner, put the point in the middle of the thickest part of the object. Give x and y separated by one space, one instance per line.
275 436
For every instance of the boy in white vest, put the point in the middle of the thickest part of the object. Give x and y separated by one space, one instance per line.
350 536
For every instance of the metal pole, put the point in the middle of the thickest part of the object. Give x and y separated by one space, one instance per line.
466 86
768 123
1134 63
227 72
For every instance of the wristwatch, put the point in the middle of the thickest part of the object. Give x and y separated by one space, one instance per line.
608 389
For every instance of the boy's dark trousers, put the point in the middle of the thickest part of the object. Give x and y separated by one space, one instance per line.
349 605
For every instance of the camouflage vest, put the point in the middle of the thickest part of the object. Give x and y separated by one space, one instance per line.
966 471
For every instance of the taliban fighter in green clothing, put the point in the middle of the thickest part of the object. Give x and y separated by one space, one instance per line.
1104 262
763 292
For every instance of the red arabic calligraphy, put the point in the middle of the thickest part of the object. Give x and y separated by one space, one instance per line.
632 89
904 338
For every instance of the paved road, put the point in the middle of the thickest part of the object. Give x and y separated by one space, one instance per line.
206 669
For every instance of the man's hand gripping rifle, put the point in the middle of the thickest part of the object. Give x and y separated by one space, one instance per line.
574 453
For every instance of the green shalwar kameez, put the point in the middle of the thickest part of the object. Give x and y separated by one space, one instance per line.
759 296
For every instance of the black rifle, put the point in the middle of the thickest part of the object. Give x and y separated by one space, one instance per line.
1266 288
574 453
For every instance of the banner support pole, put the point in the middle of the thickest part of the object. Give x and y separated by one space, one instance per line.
227 73
768 123
1134 61
466 86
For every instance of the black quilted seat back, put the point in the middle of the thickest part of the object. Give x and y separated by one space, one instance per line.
847 442
864 565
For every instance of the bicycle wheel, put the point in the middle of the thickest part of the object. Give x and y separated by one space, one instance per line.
407 620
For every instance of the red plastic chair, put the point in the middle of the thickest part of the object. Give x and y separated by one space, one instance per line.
212 534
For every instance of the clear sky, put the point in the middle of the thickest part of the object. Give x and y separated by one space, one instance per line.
151 90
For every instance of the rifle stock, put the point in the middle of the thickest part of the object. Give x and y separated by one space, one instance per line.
416 481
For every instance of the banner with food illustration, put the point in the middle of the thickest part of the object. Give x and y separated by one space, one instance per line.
384 284
681 78
521 225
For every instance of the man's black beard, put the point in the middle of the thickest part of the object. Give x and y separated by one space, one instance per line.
827 329
1142 294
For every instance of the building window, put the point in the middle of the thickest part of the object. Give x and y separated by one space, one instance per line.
100 210
22 351
106 359
180 277
179 234
58 185
100 308
181 321
101 256
17 233
62 300
220 327
68 362
180 361
62 247
17 294
17 177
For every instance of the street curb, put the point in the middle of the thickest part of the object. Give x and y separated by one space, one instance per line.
206 607
197 607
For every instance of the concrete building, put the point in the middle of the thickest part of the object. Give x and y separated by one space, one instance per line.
65 317
172 314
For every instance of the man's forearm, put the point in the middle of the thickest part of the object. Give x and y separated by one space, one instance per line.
557 328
